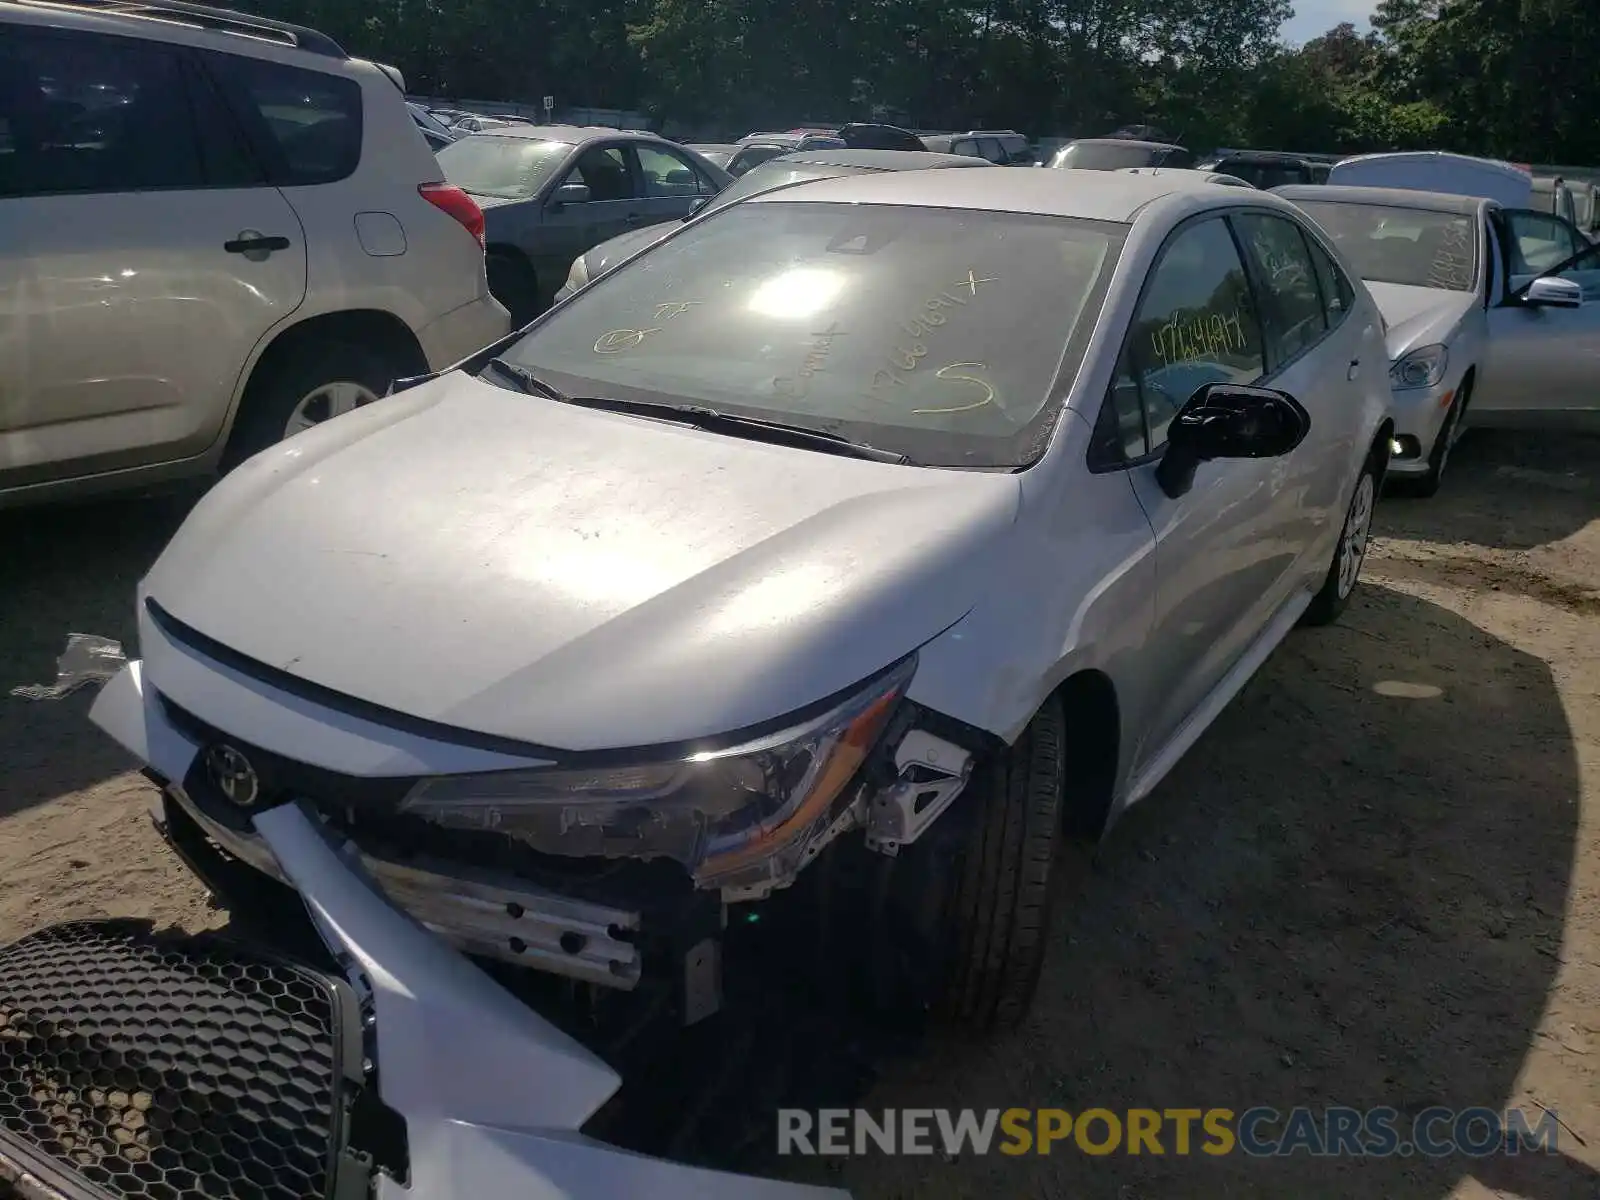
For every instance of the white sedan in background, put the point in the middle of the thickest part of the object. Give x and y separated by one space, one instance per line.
926 514
1491 313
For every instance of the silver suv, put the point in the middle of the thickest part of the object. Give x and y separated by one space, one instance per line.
215 230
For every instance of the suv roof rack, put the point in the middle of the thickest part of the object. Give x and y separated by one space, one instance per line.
204 16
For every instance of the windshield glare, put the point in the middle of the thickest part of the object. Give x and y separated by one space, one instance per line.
1104 156
507 168
934 333
1414 246
775 174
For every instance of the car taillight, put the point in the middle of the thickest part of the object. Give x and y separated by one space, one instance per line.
448 198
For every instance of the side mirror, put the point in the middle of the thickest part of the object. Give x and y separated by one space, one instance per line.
699 204
1229 420
569 193
1550 292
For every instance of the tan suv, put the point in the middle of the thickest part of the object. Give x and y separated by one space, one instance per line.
215 230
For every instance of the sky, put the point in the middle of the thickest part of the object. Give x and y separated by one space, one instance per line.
1314 17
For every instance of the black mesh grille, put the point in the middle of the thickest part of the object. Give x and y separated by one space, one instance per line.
162 1067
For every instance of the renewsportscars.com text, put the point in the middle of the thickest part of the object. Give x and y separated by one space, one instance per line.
1258 1132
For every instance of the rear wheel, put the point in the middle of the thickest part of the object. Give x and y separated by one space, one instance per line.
1354 538
320 381
1001 905
513 283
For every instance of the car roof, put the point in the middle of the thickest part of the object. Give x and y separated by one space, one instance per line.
1093 195
576 135
1391 197
1263 156
881 160
1122 142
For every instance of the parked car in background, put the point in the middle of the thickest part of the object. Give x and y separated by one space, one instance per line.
757 148
1262 168
784 171
1585 207
1112 154
719 565
271 242
550 192
1492 315
718 153
1197 175
476 124
1004 147
437 134
1438 171
1552 195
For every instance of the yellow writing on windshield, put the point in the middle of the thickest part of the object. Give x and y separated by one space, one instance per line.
1191 336
618 340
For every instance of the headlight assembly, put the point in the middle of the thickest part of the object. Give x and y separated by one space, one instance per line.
1422 367
735 818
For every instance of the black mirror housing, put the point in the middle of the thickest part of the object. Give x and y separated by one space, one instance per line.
1229 420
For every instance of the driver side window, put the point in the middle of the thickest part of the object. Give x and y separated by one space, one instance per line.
1196 324
1540 241
604 171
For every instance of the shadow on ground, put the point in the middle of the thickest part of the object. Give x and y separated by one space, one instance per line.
1488 485
1351 892
67 569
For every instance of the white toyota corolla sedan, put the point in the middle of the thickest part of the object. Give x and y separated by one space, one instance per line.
904 519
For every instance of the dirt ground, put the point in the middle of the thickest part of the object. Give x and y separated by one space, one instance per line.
1376 881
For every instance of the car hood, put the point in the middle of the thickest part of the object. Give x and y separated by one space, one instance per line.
624 246
571 578
1419 316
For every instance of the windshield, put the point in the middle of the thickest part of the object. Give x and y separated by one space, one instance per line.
1414 246
1583 208
508 168
774 174
933 333
1105 156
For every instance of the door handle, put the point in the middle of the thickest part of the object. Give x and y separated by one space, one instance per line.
251 242
632 219
1355 369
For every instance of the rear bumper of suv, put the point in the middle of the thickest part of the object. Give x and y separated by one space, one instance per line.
462 331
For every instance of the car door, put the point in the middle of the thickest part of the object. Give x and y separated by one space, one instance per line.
1541 366
1220 555
614 206
670 183
1316 355
141 255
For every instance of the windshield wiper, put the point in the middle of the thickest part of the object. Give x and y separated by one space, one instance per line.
700 417
713 421
526 381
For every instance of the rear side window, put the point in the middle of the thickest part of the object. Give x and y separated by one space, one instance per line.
90 113
668 174
1292 304
1337 291
305 125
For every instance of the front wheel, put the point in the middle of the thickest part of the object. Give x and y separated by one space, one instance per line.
1000 911
1354 538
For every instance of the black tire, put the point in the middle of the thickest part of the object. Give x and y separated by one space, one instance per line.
1424 486
1334 596
279 385
1000 911
513 283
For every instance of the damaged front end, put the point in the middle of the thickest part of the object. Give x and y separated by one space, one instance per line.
609 870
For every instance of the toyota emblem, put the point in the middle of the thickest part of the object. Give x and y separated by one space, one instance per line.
234 776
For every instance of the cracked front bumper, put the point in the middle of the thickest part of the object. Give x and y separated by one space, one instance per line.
493 1095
